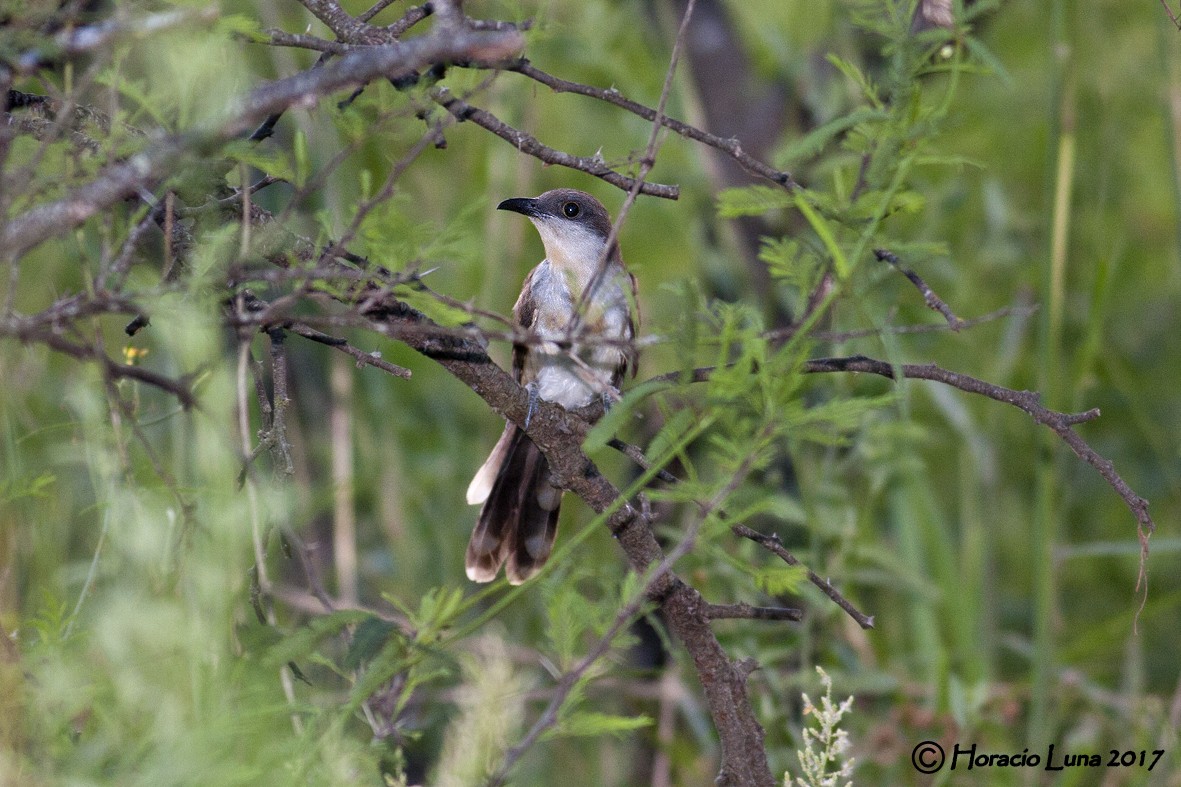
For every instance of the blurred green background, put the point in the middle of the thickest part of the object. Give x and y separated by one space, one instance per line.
1001 570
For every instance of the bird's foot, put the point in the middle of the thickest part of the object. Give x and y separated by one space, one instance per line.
532 388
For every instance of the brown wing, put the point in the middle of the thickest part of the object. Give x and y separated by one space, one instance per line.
524 314
630 355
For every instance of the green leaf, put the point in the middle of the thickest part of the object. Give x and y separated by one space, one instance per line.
822 229
781 580
437 611
244 26
443 313
301 642
273 162
368 640
303 166
991 61
868 89
22 486
664 445
814 141
826 423
592 724
619 414
571 615
753 201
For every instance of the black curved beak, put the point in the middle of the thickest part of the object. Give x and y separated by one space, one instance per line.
522 205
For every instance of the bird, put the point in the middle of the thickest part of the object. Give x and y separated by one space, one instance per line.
577 318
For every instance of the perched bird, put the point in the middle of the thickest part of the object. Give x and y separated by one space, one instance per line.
577 318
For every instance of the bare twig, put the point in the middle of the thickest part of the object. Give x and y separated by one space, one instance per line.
308 41
414 14
375 9
731 147
747 612
773 545
525 143
932 300
972 322
1060 423
1172 16
634 453
113 369
363 358
280 447
140 170
75 40
335 19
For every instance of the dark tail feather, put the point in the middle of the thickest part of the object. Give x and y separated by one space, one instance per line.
519 520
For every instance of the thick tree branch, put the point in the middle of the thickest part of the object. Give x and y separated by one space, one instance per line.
559 436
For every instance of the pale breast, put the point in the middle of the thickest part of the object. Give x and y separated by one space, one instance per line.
573 376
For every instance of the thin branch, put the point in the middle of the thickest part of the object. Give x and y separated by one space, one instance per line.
747 612
773 545
865 621
634 453
363 358
932 300
126 178
414 14
120 371
525 143
280 447
308 41
375 9
1060 423
335 18
844 336
315 585
87 38
1172 16
731 147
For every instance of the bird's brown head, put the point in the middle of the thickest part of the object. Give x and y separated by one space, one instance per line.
573 225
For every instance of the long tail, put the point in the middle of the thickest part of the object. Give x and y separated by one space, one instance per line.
519 520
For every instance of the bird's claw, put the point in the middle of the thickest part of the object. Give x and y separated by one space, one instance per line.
533 396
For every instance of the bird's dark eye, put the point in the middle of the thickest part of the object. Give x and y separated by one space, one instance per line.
571 210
